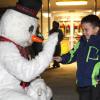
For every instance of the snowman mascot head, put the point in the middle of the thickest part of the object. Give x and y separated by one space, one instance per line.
17 29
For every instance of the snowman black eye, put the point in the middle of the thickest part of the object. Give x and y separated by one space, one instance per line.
31 28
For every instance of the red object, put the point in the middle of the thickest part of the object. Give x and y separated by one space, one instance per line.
36 39
24 84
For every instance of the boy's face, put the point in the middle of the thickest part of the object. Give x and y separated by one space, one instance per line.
89 29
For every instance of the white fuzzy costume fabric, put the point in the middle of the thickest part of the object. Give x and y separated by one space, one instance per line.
14 68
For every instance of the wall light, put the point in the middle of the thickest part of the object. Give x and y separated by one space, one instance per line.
98 13
46 14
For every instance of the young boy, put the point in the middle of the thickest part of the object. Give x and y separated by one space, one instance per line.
87 54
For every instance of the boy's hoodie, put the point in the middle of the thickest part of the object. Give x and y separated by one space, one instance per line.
87 55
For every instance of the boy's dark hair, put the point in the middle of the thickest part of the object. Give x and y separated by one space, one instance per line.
93 19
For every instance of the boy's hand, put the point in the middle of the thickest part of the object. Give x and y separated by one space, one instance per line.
57 58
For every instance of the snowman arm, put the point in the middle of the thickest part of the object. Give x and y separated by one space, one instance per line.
23 69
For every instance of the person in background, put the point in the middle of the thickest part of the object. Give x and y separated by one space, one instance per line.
87 54
55 28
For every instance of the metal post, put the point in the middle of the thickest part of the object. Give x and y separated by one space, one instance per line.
48 16
42 20
95 6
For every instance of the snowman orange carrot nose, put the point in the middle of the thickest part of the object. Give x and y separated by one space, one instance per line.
36 39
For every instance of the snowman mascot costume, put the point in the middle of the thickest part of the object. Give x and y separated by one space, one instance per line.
17 27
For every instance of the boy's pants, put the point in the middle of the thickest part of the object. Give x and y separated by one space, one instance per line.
89 93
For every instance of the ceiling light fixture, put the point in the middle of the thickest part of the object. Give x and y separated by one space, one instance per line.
69 3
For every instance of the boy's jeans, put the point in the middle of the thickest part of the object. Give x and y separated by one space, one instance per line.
89 93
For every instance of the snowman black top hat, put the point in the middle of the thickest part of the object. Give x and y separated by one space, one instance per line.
29 7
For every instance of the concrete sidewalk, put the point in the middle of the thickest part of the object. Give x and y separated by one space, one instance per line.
62 82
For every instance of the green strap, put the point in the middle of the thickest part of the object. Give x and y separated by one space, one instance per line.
95 73
72 52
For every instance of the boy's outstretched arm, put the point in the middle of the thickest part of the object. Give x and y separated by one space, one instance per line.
69 57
